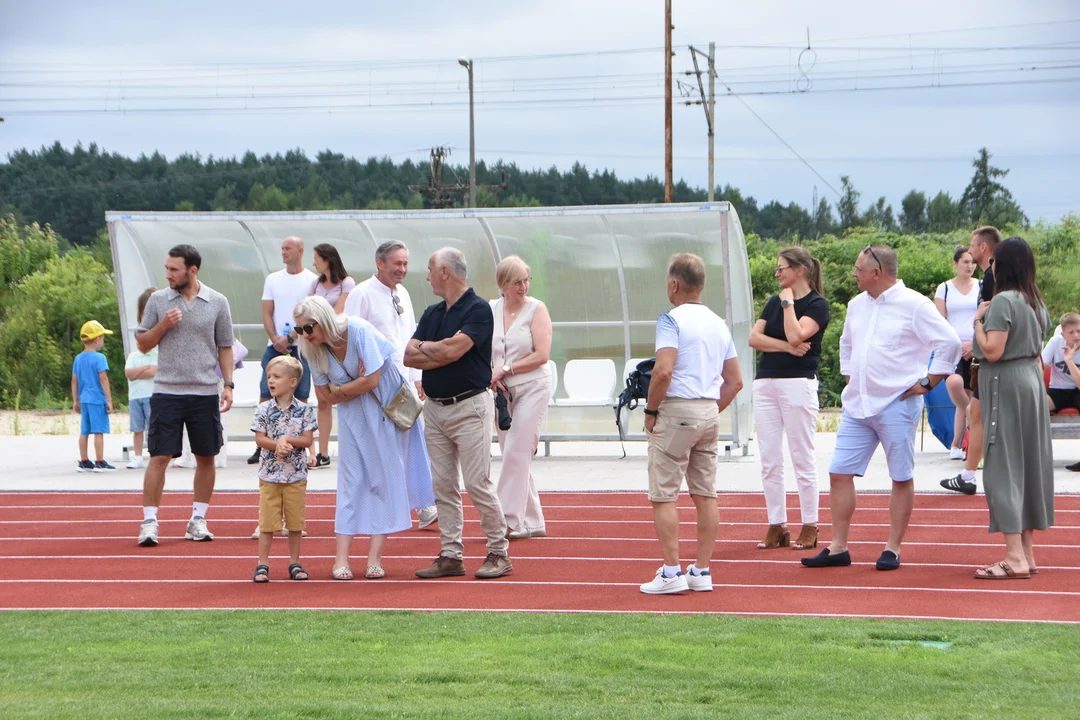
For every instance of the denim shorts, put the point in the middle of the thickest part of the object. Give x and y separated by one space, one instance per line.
139 414
95 419
893 428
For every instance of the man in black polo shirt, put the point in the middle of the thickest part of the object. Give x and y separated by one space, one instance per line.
984 242
452 345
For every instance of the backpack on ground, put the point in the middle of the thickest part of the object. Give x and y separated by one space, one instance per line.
637 388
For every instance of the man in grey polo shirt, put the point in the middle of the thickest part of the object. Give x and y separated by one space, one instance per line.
192 326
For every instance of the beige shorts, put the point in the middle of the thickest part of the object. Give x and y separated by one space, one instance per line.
683 443
278 498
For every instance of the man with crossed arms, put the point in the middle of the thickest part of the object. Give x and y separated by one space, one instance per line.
889 334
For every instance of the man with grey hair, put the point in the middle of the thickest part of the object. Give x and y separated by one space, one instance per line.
385 303
890 334
452 346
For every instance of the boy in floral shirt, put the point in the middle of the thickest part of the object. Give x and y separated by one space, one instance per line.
284 428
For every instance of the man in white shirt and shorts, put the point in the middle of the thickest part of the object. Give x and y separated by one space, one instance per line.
695 377
889 335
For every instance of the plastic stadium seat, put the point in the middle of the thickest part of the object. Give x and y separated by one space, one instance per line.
629 367
588 382
553 370
247 380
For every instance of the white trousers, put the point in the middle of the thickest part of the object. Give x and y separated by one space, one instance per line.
787 406
517 489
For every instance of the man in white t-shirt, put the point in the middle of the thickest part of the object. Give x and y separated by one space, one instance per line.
385 303
282 290
1060 355
695 377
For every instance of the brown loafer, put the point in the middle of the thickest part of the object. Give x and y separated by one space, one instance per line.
442 567
777 536
807 538
494 566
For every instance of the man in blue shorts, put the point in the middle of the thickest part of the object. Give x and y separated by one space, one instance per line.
888 338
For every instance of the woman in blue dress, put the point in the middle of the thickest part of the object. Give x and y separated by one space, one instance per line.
352 367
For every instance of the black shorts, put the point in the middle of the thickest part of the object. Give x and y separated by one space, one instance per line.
963 369
169 414
1064 398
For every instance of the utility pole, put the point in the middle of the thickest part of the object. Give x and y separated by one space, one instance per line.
708 103
442 195
468 65
667 102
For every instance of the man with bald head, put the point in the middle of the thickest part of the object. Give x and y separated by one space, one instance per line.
452 346
282 290
889 336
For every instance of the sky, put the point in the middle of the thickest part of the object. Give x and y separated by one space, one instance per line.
896 96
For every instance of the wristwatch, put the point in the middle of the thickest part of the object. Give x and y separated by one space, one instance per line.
654 413
230 384
925 382
786 303
508 369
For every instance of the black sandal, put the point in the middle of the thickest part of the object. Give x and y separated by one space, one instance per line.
295 570
262 574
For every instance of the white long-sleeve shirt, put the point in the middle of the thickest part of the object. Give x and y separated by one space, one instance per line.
374 302
886 345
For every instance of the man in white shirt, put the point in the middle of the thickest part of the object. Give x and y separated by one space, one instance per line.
385 303
282 290
889 335
695 377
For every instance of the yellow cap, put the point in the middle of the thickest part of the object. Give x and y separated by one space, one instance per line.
92 329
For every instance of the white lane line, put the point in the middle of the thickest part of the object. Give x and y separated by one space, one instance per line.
645 508
522 558
510 611
246 582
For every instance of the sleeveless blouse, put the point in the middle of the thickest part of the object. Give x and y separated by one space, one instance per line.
333 294
515 342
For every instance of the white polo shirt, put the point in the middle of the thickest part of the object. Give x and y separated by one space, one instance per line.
286 290
886 345
702 344
374 302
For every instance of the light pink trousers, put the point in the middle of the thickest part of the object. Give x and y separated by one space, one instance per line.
517 489
787 406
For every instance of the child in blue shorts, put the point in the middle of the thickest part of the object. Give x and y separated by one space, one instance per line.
140 369
91 395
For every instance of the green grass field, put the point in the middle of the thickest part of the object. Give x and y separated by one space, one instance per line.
303 664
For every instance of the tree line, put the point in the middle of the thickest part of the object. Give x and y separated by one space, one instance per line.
70 190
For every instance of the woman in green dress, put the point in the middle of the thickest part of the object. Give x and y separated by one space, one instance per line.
1018 458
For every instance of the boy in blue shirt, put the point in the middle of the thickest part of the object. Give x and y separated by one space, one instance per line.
91 395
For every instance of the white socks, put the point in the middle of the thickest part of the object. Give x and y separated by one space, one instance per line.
968 475
149 513
693 570
199 509
671 571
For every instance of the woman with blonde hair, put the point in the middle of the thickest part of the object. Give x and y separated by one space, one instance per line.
788 333
520 347
352 367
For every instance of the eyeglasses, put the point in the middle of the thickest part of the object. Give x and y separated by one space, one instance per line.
781 268
870 249
397 305
306 329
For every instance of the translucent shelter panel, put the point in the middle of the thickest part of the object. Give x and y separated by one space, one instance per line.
573 343
230 262
347 236
423 236
574 267
646 244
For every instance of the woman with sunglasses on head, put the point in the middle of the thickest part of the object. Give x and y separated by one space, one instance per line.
1018 475
957 300
334 284
788 333
520 347
352 367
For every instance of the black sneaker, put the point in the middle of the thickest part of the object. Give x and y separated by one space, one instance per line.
959 484
321 461
102 466
85 466
1075 467
254 459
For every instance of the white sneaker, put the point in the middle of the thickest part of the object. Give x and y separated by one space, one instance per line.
285 532
428 516
148 533
956 453
255 535
196 530
661 585
699 583
136 463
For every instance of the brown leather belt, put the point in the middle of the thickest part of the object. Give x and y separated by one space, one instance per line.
457 398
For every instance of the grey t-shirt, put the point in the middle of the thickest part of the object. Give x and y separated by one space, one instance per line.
188 353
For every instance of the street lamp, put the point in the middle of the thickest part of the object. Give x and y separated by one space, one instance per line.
468 65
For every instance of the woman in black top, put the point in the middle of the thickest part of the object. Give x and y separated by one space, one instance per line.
788 334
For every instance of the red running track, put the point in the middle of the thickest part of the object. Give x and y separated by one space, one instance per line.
78 551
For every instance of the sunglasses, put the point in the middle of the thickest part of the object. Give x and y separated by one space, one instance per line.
870 249
306 329
780 268
397 305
